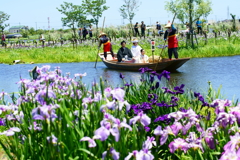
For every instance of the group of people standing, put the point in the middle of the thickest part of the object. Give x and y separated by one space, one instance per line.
83 32
137 54
142 27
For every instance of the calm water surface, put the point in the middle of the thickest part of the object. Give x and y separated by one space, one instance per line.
194 74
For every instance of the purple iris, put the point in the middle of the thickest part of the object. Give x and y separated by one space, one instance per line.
52 139
11 131
178 143
151 78
142 118
149 143
146 69
163 118
179 89
121 76
144 107
165 74
91 141
114 153
209 139
128 85
46 112
44 94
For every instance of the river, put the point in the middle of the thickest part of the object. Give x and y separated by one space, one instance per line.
195 74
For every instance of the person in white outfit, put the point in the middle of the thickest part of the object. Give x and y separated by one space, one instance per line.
135 48
142 58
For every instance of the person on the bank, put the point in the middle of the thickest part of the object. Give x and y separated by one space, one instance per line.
199 26
170 36
124 52
136 49
84 33
80 32
107 46
143 28
90 31
136 29
3 38
158 28
143 58
42 38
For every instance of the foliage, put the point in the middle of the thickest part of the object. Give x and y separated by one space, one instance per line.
234 22
189 10
32 31
3 18
74 15
58 117
95 8
24 33
128 9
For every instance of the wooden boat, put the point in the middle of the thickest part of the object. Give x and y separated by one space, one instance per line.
163 64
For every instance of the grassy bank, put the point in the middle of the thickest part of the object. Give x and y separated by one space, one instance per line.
87 50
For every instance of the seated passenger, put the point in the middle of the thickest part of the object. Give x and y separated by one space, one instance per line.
124 52
135 48
142 58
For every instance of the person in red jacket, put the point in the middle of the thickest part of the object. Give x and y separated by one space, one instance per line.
170 35
3 39
107 46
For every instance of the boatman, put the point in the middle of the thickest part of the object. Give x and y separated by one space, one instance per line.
170 35
107 46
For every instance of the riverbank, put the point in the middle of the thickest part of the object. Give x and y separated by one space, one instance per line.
87 50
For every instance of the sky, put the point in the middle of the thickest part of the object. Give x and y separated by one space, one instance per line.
35 13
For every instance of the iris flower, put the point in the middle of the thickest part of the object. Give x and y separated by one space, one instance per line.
142 118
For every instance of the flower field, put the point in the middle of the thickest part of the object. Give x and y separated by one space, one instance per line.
58 117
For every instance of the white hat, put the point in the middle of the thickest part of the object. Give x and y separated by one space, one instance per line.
168 25
134 40
102 34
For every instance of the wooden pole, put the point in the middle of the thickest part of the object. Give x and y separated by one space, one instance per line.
164 45
98 48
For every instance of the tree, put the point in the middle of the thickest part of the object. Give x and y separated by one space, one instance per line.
74 15
3 18
95 8
128 10
189 10
234 28
31 31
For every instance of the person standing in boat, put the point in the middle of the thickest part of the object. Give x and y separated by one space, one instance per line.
136 49
143 58
124 52
107 46
170 36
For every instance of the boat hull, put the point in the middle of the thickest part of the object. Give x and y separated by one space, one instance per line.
164 64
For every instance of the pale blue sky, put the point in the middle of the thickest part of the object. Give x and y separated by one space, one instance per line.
35 13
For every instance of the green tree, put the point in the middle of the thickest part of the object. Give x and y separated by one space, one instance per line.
32 31
95 8
3 18
128 10
189 10
234 28
73 15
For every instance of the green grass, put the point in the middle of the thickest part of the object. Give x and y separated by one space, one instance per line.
88 50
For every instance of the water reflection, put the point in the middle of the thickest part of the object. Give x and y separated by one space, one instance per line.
194 74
